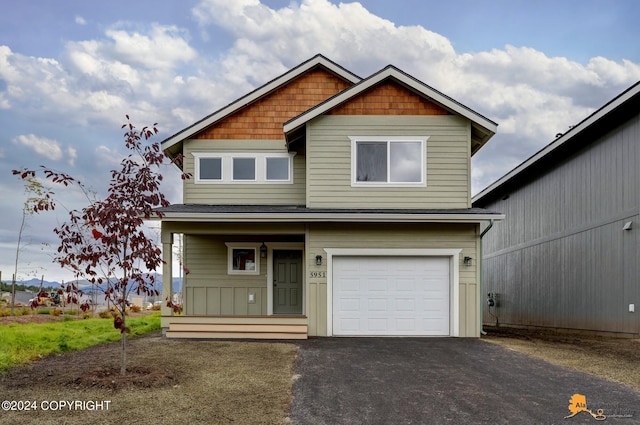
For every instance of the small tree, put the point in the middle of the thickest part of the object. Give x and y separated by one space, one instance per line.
38 199
105 242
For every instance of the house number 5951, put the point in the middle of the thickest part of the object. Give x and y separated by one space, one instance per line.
318 274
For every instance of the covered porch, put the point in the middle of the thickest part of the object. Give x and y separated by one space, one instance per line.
241 280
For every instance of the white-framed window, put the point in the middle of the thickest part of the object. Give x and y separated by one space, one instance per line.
270 168
209 169
388 161
243 258
243 169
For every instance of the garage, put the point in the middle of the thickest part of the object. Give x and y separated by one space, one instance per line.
391 295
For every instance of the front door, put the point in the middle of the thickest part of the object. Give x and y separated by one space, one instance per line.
287 281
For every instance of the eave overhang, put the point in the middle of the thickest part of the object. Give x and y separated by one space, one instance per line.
236 214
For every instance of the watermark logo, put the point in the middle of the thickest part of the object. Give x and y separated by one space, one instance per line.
578 404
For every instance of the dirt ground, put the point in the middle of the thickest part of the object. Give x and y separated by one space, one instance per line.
616 359
233 382
168 381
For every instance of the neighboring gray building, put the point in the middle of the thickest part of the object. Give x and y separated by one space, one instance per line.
567 254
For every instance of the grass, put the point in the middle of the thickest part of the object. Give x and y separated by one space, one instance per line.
22 343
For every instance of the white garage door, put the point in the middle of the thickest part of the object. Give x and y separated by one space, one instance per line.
390 296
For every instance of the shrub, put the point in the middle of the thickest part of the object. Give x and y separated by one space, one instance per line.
87 315
105 314
136 308
55 312
22 311
156 307
4 312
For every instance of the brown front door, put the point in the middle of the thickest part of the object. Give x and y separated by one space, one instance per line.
287 281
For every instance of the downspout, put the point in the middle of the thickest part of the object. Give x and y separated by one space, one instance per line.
484 232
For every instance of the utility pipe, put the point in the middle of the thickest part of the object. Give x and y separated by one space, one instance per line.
484 232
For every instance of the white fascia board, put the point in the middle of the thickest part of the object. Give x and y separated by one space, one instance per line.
582 126
330 217
257 94
422 88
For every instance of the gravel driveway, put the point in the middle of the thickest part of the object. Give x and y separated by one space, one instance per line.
444 381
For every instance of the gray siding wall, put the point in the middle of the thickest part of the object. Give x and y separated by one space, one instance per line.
242 194
561 258
447 158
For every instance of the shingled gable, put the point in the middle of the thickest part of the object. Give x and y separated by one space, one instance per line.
173 145
482 128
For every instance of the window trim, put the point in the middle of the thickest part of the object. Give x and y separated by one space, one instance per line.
241 245
389 140
227 158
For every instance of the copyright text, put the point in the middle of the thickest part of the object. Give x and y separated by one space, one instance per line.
55 405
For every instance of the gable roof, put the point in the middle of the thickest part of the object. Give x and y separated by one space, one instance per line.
612 114
174 141
483 128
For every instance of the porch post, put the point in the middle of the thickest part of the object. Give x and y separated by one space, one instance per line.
167 272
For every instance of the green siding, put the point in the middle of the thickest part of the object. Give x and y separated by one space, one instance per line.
403 236
256 194
447 156
209 289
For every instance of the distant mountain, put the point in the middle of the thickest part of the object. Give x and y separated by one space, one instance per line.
86 285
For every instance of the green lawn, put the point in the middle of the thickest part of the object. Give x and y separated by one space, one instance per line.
22 343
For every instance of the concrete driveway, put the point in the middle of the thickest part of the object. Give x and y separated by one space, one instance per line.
444 381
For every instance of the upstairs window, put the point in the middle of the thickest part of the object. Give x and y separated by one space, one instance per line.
210 169
388 161
278 169
247 168
244 169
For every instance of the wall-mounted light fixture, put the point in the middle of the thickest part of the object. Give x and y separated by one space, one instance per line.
467 261
318 260
628 225
263 250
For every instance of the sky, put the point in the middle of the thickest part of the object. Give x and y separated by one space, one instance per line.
70 70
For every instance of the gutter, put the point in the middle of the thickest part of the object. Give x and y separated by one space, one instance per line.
484 232
326 217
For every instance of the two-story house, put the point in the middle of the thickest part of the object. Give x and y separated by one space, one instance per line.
323 204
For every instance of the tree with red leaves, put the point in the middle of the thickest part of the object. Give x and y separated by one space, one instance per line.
105 242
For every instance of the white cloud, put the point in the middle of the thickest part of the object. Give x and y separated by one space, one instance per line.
164 47
101 80
108 156
80 20
72 155
41 145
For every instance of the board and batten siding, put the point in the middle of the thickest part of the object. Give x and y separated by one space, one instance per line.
447 162
210 290
237 193
561 258
390 236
